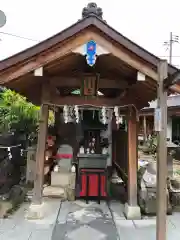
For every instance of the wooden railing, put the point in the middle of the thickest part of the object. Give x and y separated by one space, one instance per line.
124 176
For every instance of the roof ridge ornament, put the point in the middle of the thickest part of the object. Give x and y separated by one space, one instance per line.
92 9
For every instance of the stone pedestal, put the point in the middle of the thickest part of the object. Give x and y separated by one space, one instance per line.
66 182
132 212
60 179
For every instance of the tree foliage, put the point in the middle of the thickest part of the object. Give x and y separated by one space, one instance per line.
16 113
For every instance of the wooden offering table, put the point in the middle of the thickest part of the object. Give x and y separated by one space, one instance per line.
92 176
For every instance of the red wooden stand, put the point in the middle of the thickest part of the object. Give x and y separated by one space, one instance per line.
93 183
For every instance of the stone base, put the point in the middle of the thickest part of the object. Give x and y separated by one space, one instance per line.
62 179
35 211
132 212
54 192
5 207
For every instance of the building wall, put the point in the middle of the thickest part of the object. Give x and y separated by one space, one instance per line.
150 126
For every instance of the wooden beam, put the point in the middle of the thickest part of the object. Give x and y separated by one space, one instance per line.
150 113
121 100
132 158
162 154
99 101
40 152
170 112
77 81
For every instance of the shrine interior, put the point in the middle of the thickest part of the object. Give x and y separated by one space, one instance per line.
86 144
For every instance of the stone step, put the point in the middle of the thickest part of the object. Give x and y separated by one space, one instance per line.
54 191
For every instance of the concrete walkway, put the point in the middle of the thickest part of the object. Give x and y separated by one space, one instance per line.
17 227
77 220
144 229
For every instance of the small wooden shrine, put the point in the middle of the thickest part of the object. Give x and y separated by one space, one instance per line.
88 66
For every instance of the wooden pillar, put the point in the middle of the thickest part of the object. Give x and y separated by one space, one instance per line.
132 158
162 153
144 128
40 152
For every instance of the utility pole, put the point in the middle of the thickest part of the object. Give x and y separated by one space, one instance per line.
169 45
161 123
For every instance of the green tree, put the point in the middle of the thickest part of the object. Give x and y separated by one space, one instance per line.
16 113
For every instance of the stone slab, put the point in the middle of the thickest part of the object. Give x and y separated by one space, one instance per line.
44 234
117 209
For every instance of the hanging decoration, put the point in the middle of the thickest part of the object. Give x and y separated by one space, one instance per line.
76 111
9 153
119 119
71 114
91 48
66 113
103 112
105 115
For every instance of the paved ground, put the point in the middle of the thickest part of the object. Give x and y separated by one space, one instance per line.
144 229
18 228
76 221
79 220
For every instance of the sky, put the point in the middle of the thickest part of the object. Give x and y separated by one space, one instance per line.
148 23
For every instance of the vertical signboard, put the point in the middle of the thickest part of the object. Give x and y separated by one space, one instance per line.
157 119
